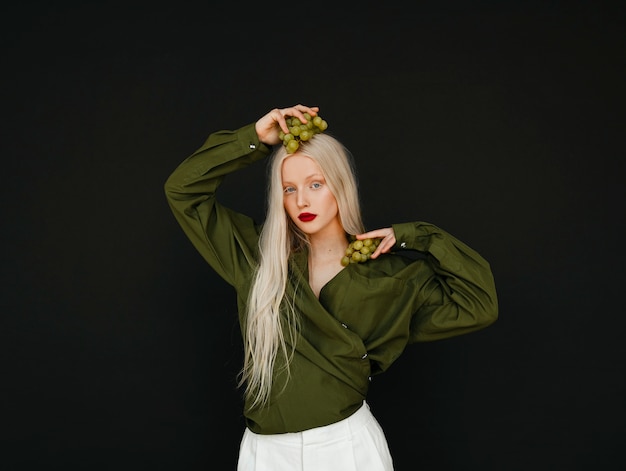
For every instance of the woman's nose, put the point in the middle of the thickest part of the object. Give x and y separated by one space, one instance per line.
302 200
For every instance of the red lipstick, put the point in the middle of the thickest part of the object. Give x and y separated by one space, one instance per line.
306 217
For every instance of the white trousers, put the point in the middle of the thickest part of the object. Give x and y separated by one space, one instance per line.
356 443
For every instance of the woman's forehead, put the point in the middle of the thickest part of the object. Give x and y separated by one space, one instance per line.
299 166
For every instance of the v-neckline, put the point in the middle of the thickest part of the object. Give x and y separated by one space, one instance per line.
302 261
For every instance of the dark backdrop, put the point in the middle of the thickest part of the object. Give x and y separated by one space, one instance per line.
499 121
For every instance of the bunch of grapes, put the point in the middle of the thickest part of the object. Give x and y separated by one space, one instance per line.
359 251
299 131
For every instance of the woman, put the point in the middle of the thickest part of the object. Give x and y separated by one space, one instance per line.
315 330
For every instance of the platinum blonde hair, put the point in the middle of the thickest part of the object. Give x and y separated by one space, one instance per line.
272 323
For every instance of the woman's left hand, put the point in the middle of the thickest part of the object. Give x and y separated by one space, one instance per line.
386 244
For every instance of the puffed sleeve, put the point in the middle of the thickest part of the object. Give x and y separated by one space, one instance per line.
458 294
226 239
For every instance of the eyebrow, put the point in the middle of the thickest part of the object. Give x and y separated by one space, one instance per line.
310 177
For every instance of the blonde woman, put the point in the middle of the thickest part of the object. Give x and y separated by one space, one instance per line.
315 329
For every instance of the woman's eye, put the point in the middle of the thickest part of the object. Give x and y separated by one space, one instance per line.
289 189
316 185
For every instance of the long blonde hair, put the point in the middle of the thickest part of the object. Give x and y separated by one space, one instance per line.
270 310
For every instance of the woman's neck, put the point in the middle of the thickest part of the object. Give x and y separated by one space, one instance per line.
327 246
325 255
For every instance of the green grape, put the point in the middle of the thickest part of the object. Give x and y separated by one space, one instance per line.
301 131
293 145
359 251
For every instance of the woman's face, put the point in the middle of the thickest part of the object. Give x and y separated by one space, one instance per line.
306 197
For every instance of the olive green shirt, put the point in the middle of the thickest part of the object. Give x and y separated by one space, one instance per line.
365 316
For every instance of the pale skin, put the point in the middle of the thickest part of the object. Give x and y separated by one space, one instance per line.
306 193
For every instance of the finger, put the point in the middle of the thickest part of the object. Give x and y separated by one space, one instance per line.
378 233
383 247
299 110
386 244
378 250
279 118
312 110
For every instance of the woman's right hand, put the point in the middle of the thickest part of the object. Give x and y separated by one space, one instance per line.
268 127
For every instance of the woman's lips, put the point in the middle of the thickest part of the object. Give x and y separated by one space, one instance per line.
305 217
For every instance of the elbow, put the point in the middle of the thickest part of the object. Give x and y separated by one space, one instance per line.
172 188
487 312
478 312
168 186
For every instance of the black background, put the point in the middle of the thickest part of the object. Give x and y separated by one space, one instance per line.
502 122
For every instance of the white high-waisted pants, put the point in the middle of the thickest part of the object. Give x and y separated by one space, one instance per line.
356 443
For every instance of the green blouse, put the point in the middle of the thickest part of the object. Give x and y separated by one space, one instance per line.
431 287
